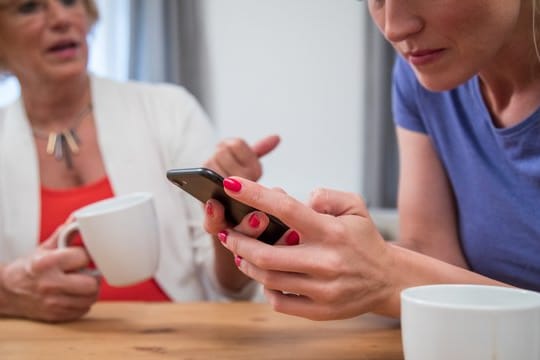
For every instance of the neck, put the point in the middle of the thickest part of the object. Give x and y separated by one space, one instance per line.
54 105
511 83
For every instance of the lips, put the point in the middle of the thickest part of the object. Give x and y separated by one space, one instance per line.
63 45
424 57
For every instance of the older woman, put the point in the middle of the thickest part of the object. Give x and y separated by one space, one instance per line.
467 108
72 139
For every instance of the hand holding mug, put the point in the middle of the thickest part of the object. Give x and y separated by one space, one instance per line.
47 284
121 235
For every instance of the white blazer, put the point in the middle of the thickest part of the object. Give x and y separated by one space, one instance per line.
143 130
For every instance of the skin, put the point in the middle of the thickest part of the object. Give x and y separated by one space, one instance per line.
55 86
341 266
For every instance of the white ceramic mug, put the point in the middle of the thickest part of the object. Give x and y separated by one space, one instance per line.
121 235
470 322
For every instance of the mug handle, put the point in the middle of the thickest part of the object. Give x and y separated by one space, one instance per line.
63 237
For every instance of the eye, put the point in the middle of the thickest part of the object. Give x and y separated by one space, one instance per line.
29 7
69 2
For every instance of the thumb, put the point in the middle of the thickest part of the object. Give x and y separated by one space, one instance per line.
337 203
52 241
266 145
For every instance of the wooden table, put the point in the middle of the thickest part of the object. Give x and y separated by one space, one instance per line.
199 331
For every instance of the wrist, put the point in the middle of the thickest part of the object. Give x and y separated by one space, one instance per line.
389 300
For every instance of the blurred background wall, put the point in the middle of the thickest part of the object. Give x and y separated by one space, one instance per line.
315 72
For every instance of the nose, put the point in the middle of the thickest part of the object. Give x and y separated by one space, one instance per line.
400 21
59 15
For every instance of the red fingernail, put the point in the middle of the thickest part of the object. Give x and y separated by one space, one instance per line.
231 184
292 238
254 221
222 236
209 209
237 260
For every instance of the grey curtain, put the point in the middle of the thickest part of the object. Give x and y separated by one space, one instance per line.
167 43
381 158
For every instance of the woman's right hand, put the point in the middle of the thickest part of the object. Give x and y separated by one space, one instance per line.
47 284
331 264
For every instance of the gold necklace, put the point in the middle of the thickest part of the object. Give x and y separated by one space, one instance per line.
65 143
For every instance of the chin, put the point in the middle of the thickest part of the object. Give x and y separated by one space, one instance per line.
442 81
68 72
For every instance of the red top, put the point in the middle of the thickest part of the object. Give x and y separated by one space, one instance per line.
58 204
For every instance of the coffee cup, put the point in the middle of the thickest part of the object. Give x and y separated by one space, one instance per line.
121 236
470 322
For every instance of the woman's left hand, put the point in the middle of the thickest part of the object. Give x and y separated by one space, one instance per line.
332 264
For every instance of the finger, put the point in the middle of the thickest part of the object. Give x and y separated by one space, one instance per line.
61 308
299 306
266 145
253 224
235 157
337 203
80 285
214 221
242 152
289 210
296 259
52 241
279 189
289 282
239 150
68 259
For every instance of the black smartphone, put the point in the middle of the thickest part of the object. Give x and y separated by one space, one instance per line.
204 184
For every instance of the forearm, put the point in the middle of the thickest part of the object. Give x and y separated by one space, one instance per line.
452 255
409 268
226 270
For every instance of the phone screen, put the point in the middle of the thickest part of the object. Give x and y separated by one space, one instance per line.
205 184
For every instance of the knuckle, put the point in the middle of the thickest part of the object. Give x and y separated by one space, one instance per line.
262 259
236 143
256 195
46 288
318 195
334 231
52 304
285 206
232 243
269 279
329 294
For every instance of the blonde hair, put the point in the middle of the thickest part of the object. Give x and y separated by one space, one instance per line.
91 10
535 12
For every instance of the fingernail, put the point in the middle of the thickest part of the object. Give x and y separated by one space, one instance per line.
222 236
209 209
232 184
292 238
254 221
237 260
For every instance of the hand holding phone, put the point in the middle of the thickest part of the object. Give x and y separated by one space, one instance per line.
204 184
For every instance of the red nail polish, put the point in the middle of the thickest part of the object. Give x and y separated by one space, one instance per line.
232 184
254 221
209 209
237 260
292 238
222 236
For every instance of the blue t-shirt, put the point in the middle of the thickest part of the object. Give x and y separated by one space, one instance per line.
494 173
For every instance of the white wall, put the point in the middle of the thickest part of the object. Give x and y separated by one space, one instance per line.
292 68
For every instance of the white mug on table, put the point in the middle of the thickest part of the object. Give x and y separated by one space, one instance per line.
121 235
470 322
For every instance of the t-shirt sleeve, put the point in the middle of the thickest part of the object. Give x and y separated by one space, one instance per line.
405 91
